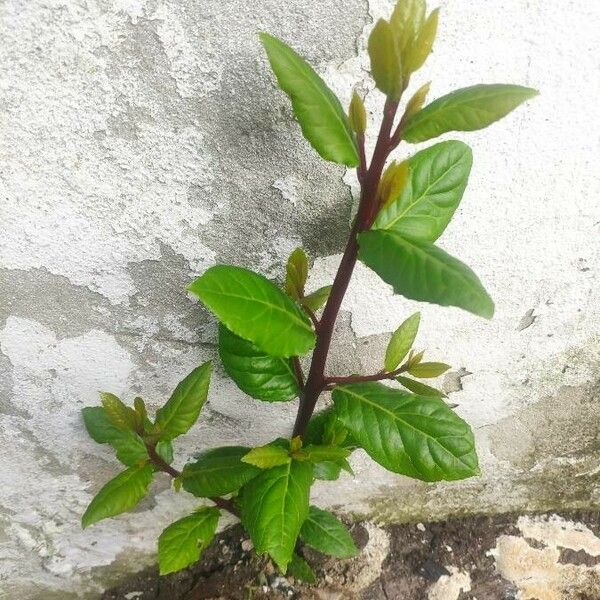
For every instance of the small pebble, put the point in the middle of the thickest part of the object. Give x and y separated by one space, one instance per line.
420 527
247 545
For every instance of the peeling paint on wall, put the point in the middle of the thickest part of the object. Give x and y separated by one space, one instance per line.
144 140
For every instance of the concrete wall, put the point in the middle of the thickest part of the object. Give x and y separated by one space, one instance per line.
144 140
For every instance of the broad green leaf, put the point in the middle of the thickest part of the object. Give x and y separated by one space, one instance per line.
317 454
325 533
421 389
467 109
436 183
182 542
274 506
319 112
130 448
386 64
401 342
425 370
407 20
218 471
252 307
301 570
119 495
420 271
357 114
315 300
296 273
413 435
182 409
256 373
265 457
121 416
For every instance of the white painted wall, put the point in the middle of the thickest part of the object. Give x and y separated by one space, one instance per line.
144 140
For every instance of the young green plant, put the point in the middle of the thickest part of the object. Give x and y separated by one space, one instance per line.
406 426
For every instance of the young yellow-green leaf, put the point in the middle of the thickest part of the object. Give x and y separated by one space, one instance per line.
256 373
254 308
357 114
265 457
274 506
140 410
415 104
182 409
419 388
296 273
426 370
315 300
420 271
317 454
407 20
467 109
299 569
323 532
119 495
423 438
295 443
417 52
121 416
401 342
217 472
393 181
182 542
319 112
129 446
386 65
436 183
415 358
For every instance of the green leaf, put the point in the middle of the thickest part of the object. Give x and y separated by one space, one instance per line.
182 542
419 388
437 180
130 448
401 341
256 373
317 454
327 471
252 307
323 532
413 435
296 273
265 457
425 370
299 569
420 271
121 416
218 471
165 451
315 300
319 112
467 109
386 64
119 495
274 506
182 409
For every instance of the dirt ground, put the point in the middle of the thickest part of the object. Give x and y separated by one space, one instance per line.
507 557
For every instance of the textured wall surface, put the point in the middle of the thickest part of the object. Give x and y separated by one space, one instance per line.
144 140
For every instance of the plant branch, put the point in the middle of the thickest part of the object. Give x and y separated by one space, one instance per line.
298 371
313 317
315 382
165 467
333 381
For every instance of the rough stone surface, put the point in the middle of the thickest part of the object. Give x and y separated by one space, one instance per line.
144 140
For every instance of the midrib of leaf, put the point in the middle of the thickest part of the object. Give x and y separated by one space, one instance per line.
410 206
326 531
307 76
266 304
397 418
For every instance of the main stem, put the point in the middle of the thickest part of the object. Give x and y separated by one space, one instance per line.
315 382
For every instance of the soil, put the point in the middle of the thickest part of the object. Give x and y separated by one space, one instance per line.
397 562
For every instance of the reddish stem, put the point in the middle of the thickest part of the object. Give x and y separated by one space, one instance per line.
316 382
